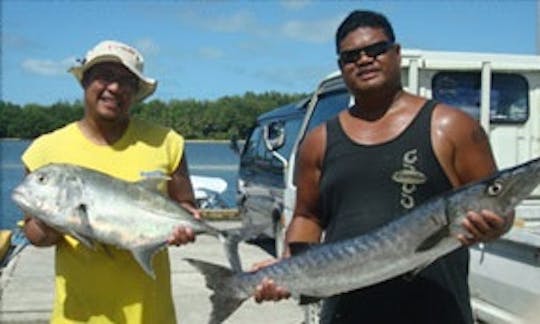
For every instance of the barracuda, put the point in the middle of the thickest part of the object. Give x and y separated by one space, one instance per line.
405 245
95 207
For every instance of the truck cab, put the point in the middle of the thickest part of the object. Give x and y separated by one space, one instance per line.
263 163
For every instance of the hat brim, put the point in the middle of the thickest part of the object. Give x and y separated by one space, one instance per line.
147 86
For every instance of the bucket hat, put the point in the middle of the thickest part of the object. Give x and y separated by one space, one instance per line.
114 51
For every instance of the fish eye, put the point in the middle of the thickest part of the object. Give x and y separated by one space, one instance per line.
42 179
495 189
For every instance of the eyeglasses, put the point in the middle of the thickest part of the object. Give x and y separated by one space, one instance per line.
372 51
107 76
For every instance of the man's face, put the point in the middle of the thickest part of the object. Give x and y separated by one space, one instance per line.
109 90
369 60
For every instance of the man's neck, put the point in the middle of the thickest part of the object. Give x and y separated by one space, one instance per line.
103 132
376 104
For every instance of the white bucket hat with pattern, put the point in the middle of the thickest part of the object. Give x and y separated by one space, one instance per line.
113 51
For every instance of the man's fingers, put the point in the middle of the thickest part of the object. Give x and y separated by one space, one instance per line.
181 235
268 290
479 223
262 264
493 220
482 227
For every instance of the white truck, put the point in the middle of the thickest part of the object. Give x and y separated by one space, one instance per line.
502 91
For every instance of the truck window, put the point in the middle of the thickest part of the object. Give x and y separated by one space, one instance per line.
405 78
252 144
291 131
262 154
509 94
328 106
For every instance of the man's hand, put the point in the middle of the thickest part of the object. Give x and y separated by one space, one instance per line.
194 211
39 233
267 289
484 227
181 235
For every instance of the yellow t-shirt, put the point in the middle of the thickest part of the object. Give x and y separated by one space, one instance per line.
107 285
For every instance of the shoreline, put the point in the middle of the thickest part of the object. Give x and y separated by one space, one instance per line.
15 139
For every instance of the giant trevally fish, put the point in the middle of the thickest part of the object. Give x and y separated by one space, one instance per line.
405 245
95 207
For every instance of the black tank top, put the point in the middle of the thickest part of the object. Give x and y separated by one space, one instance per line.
363 187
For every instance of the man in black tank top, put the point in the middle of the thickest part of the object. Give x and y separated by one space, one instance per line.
386 155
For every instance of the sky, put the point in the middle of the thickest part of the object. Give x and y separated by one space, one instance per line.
205 50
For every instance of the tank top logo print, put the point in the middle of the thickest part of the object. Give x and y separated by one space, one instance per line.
410 178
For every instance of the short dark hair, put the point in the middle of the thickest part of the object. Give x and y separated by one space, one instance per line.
363 18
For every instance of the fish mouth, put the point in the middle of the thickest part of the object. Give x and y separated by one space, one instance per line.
20 198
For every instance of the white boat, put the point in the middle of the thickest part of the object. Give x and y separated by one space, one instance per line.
208 191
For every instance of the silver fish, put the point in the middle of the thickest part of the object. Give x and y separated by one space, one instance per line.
405 245
95 207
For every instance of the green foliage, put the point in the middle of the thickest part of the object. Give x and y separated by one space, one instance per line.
33 120
219 119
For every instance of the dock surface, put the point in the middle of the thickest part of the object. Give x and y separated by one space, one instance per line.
28 289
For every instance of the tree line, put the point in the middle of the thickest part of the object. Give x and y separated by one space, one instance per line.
222 118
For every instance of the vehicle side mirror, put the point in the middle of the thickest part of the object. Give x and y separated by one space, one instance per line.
274 135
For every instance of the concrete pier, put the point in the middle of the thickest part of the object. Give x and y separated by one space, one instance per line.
27 286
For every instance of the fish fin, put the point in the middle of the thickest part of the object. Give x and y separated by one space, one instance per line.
218 278
409 276
144 256
305 300
152 183
232 237
106 250
88 242
230 244
434 239
81 211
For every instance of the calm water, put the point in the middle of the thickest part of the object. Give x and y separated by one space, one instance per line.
206 159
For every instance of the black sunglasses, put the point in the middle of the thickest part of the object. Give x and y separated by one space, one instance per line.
373 50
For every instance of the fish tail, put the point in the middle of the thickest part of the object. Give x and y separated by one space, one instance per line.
218 278
230 241
232 237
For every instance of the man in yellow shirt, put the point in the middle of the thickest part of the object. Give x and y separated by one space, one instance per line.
107 285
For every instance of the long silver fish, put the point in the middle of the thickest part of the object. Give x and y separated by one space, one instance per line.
92 206
405 245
